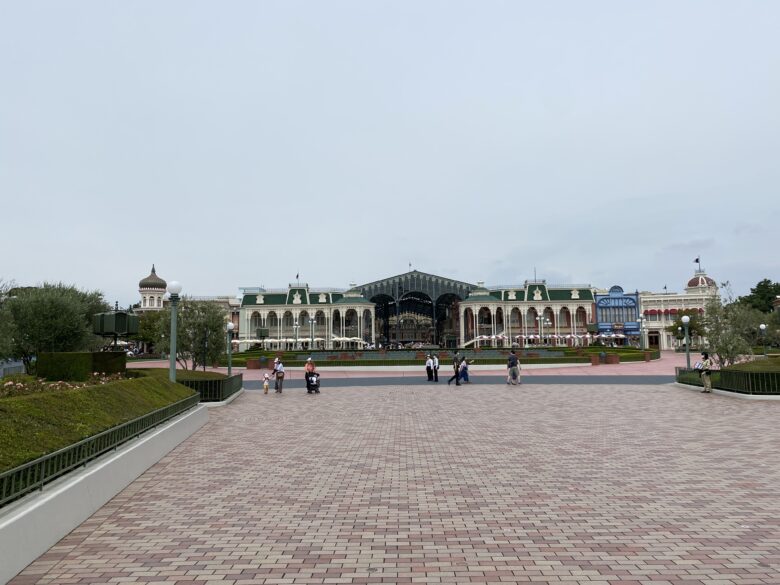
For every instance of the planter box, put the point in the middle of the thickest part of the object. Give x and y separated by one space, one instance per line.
594 359
613 358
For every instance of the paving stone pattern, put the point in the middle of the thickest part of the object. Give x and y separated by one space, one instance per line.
595 485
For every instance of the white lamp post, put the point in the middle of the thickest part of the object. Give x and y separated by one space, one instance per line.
230 328
311 332
295 327
762 327
542 320
174 288
641 322
686 321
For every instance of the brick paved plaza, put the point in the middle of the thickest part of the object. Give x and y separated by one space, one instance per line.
480 484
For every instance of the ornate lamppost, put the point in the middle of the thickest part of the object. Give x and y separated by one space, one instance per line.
686 321
762 328
641 322
311 333
174 288
230 328
542 320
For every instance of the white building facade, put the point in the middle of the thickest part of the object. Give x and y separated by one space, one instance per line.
661 310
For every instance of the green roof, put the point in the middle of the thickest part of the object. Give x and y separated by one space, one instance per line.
531 292
568 294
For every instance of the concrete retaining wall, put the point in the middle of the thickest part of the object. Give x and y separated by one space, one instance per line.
31 526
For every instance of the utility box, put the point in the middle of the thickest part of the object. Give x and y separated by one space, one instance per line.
115 323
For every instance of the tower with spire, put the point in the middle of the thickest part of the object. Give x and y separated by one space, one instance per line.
152 290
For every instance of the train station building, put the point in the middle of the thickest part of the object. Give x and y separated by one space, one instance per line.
417 308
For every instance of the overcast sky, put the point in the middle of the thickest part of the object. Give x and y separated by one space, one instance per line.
236 144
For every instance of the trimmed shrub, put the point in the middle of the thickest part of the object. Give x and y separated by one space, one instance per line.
76 366
109 362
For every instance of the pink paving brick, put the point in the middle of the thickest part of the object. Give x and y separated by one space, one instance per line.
563 484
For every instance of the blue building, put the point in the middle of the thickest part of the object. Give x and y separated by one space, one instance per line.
617 316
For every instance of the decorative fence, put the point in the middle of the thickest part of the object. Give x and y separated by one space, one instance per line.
215 390
750 382
8 368
21 480
758 383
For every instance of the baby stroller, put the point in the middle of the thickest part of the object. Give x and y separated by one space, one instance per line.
313 383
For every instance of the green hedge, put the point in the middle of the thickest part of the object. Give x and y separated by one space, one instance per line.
109 362
566 356
71 366
78 366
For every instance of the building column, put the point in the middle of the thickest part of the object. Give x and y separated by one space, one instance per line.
461 326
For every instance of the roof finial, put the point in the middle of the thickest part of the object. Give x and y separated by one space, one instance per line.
153 271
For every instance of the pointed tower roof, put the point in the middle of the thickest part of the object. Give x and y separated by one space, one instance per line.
152 281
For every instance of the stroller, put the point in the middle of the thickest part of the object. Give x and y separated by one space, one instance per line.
312 383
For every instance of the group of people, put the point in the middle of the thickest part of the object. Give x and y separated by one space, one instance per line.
310 374
460 367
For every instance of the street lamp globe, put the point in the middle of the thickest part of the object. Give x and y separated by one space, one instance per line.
230 326
686 319
762 327
174 287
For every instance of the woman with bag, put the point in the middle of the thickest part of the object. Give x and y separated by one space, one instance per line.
278 375
706 365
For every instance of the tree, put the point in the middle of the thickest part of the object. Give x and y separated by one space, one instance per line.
5 321
731 328
53 317
200 332
695 325
151 326
762 295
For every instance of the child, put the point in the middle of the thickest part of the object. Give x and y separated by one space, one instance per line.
266 383
464 371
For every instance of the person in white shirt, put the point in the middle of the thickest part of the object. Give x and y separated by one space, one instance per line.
429 367
435 368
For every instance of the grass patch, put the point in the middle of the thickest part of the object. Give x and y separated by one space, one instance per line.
761 365
37 423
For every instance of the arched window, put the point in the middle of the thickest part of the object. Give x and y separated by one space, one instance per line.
144 301
159 301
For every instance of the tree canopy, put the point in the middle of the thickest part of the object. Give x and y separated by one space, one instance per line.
52 317
200 332
762 296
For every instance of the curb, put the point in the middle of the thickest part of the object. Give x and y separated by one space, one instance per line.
728 393
224 402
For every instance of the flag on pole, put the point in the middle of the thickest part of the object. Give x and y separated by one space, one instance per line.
697 260
297 276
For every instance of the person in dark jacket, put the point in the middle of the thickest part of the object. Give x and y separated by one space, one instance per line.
456 368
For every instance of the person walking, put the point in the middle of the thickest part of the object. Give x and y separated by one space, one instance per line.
706 366
278 375
464 371
513 369
435 368
456 368
429 367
